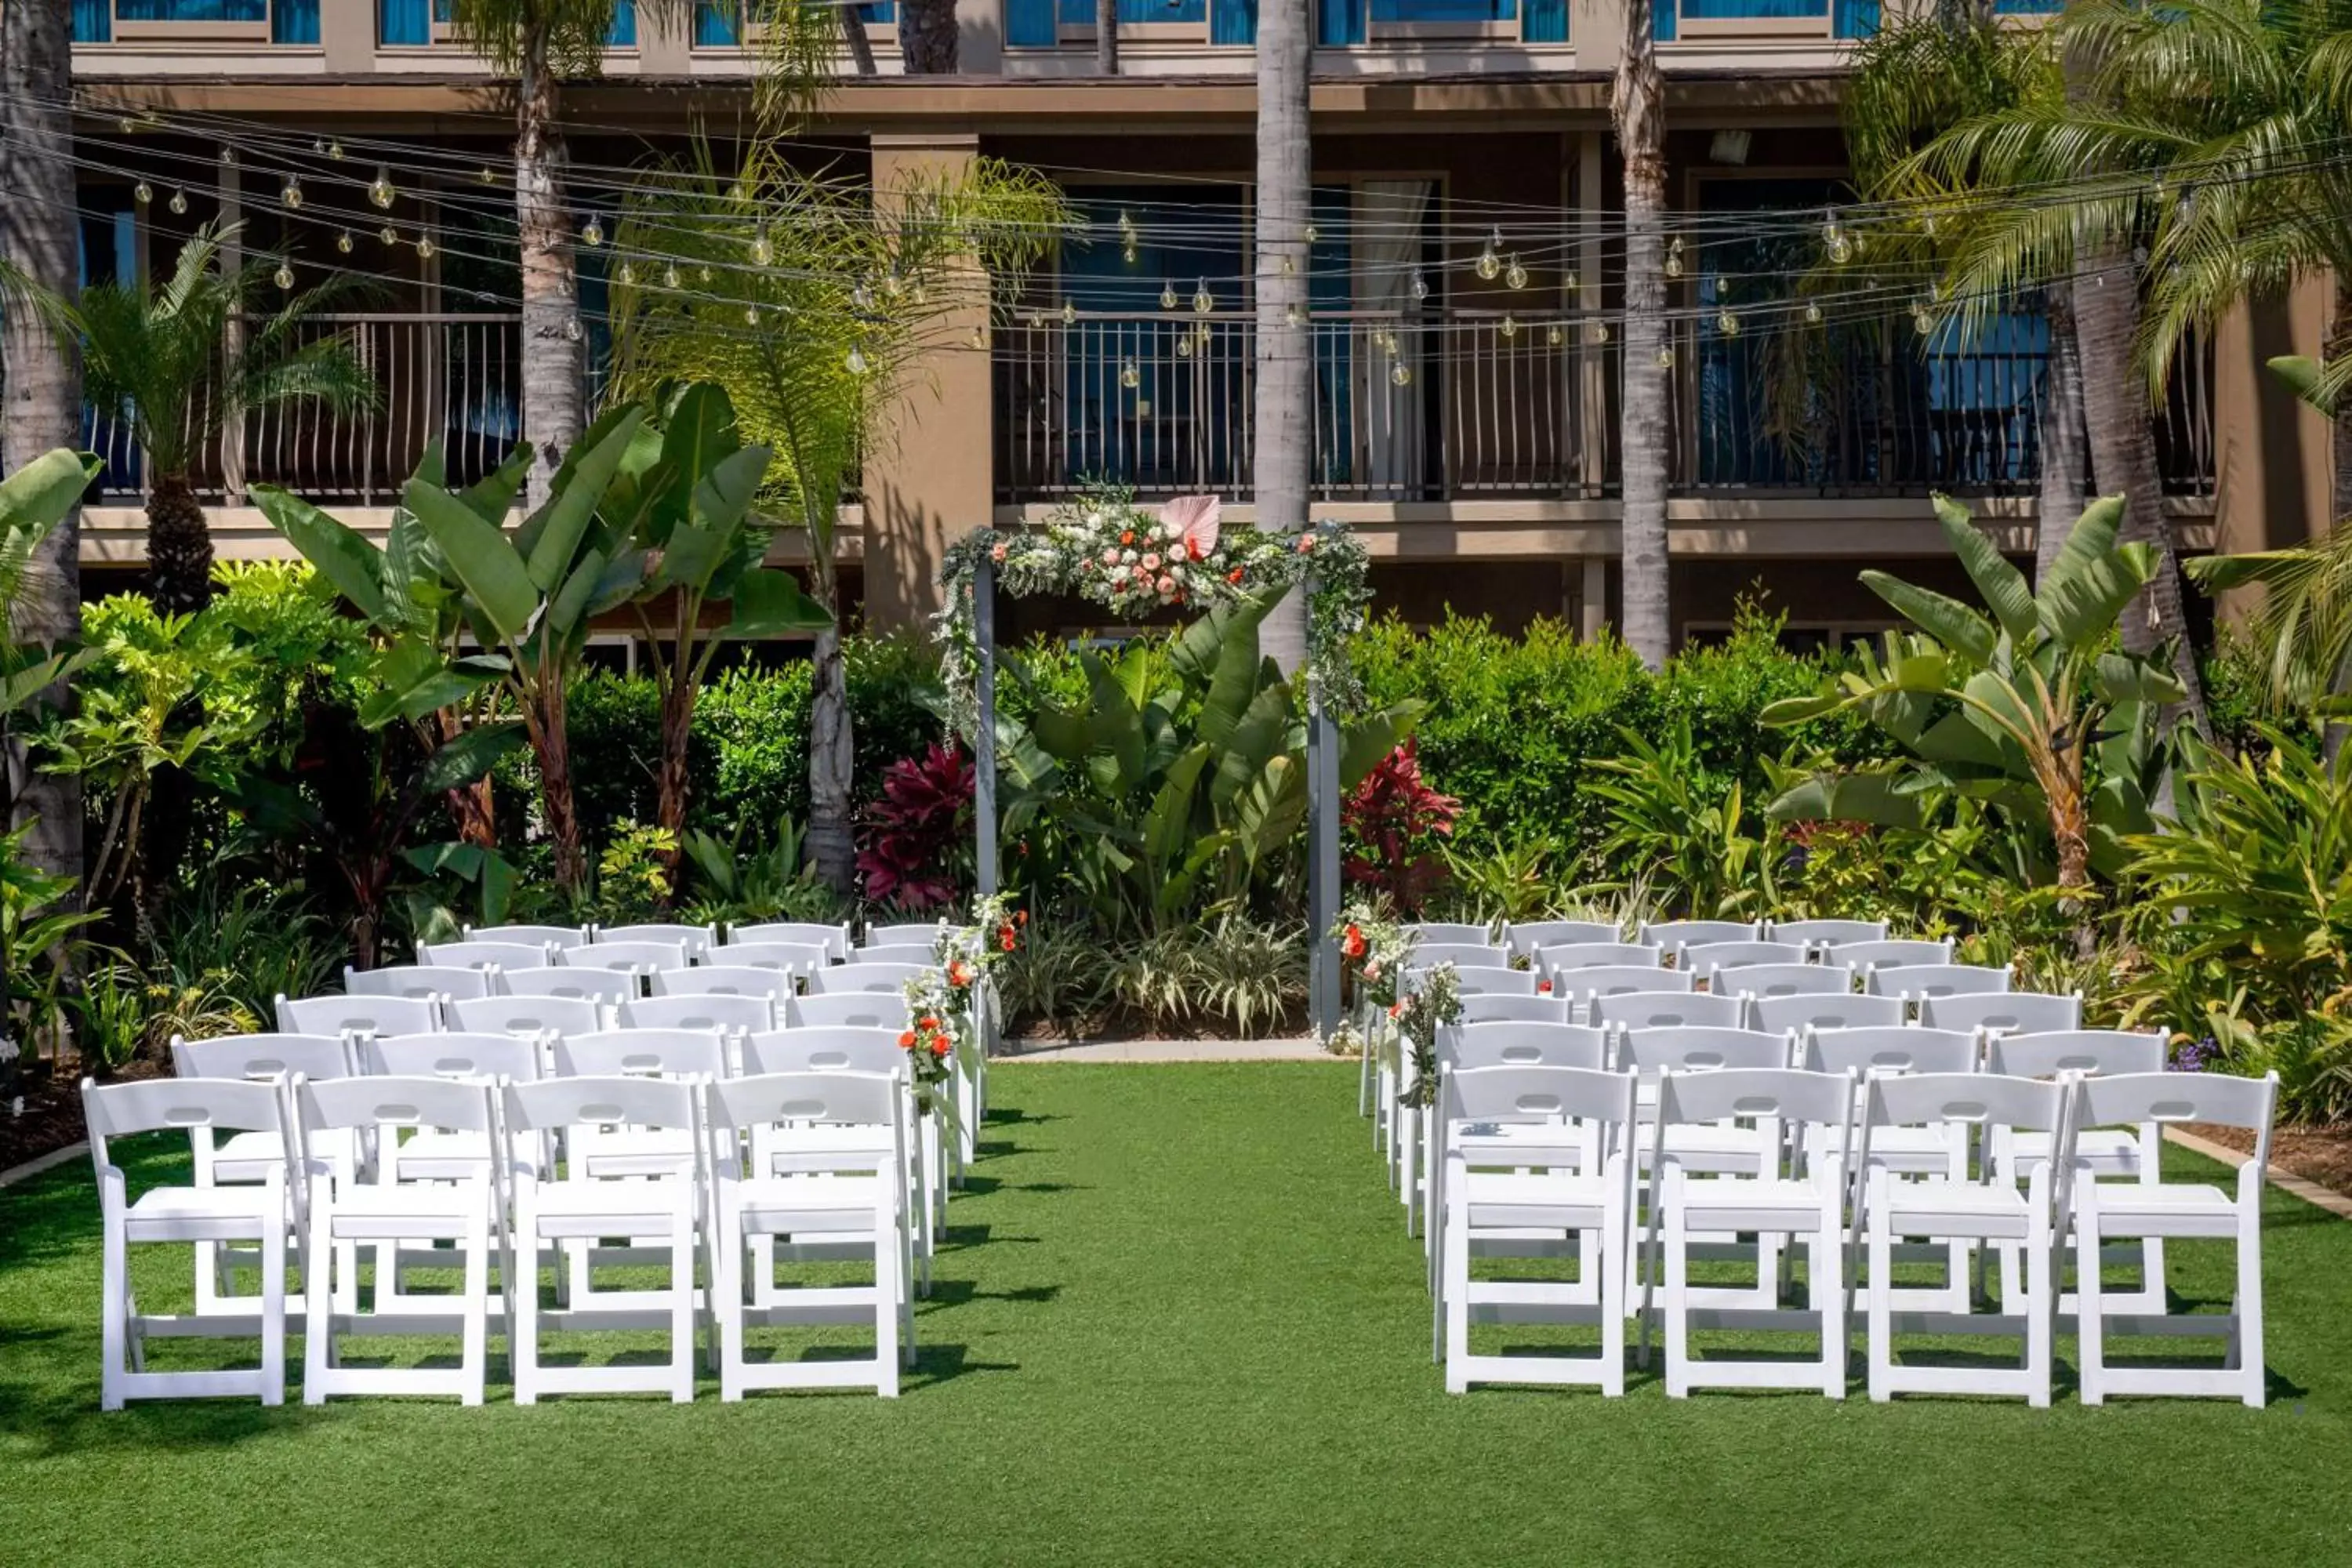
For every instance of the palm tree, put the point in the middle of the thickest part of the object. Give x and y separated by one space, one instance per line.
1283 435
927 37
37 239
814 347
2305 620
1107 36
165 362
1637 108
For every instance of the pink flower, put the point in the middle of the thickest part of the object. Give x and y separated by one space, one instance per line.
1152 562
1110 558
997 553
1167 584
1306 542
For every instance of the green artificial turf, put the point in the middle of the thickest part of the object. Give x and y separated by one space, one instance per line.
1177 1320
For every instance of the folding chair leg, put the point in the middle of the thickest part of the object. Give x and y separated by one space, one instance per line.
886 1296
1880 1310
1829 1253
681 1308
2041 1315
2248 1308
1456 1303
474 1334
1678 1288
2089 1302
114 1333
273 1311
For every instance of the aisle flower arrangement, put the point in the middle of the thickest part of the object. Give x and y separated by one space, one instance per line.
945 1004
1419 1012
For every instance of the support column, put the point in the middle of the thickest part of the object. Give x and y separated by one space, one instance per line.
1596 432
928 479
984 739
347 36
232 260
1323 865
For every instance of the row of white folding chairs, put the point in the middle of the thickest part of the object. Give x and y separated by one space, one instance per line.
1642 1007
753 999
1523 938
631 972
833 937
826 1173
1546 1160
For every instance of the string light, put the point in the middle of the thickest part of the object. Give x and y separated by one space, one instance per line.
425 247
1666 358
1516 276
1510 327
702 273
1129 376
980 339
592 233
1069 313
485 175
179 203
855 360
293 193
380 188
573 330
751 315
388 235
1167 296
283 277
1727 324
628 275
1813 314
1401 375
1552 335
143 193
1184 346
335 151
1488 263
1313 234
1599 332
227 157
1420 288
126 125
1291 317
1202 301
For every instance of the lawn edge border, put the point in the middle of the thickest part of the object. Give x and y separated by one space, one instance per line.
2311 1193
40 1163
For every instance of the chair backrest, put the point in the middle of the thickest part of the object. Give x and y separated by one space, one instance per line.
1915 1100
420 980
1882 954
848 1009
895 953
566 983
831 1099
2093 1053
402 1101
629 955
490 1054
1707 959
847 977
1599 954
1540 1094
698 940
661 1053
358 1015
2222 1098
159 1104
2012 1012
1844 1010
1784 980
825 1050
789 957
735 1013
526 1014
1619 980
1667 1009
1826 933
1503 1007
1461 954
1427 932
1675 935
1917 981
833 939
487 954
1701 1048
924 931
723 980
1901 1048
1781 1094
1531 938
599 1102
535 936
1528 1045
262 1057
1479 981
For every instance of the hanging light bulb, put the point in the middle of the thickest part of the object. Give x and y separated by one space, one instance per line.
1202 301
379 190
1813 314
1921 323
1291 317
1841 250
1568 284
1666 359
487 175
1069 313
293 193
1129 376
1674 266
1184 346
388 235
571 328
1727 324
703 273
1401 375
283 277
1552 335
1313 234
862 298
1515 276
1930 226
126 125
1510 327
922 296
227 156
1488 265
1167 296
179 202
735 192
1599 332
1420 288
980 339
335 151
751 315
592 233
1289 268
143 193
425 247
628 275
1126 223
343 241
1201 335
1129 254
670 278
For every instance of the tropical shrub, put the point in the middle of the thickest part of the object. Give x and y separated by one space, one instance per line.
1688 835
1392 822
917 837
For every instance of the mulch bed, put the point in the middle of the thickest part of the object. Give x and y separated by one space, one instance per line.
51 1118
2318 1154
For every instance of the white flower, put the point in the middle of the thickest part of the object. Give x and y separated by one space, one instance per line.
1110 558
1129 557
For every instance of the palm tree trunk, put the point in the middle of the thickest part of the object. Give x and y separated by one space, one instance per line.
1638 108
1107 36
44 375
551 747
1282 454
672 781
553 361
861 48
179 547
2123 455
2060 435
472 808
927 37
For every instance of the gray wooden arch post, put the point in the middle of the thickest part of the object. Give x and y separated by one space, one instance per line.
1322 795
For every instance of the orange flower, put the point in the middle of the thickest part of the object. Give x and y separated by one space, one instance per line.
1004 935
939 1047
1126 536
1234 576
958 973
927 1023
1353 947
1020 917
906 1041
1396 1009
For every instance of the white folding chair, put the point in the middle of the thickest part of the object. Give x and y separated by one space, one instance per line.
919 953
1785 980
1675 936
1725 959
563 984
833 939
845 978
698 940
421 980
460 1208
1817 934
728 1013
451 1054
1463 955
2144 1211
1429 933
848 1009
1505 1007
1915 982
656 1204
723 980
863 1050
1480 981
1590 986
786 957
1667 1009
1809 1199
2004 1013
486 954
529 1014
1540 1192
209 1216
2113 1154
634 960
902 935
357 1015
531 935
1468 1045
1841 1009
1956 1211
1557 961
1525 940
1884 954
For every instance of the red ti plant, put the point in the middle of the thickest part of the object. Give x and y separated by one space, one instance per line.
918 835
1393 821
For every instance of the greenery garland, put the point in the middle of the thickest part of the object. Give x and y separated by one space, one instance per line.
1132 561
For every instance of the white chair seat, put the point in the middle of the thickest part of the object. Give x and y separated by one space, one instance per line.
831 1204
202 1214
2166 1208
1542 1144
602 1209
407 1212
1939 1206
1744 1205
1498 1200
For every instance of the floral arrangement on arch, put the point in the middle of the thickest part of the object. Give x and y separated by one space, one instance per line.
1134 561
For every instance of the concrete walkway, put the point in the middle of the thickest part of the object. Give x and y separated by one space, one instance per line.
1290 1050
